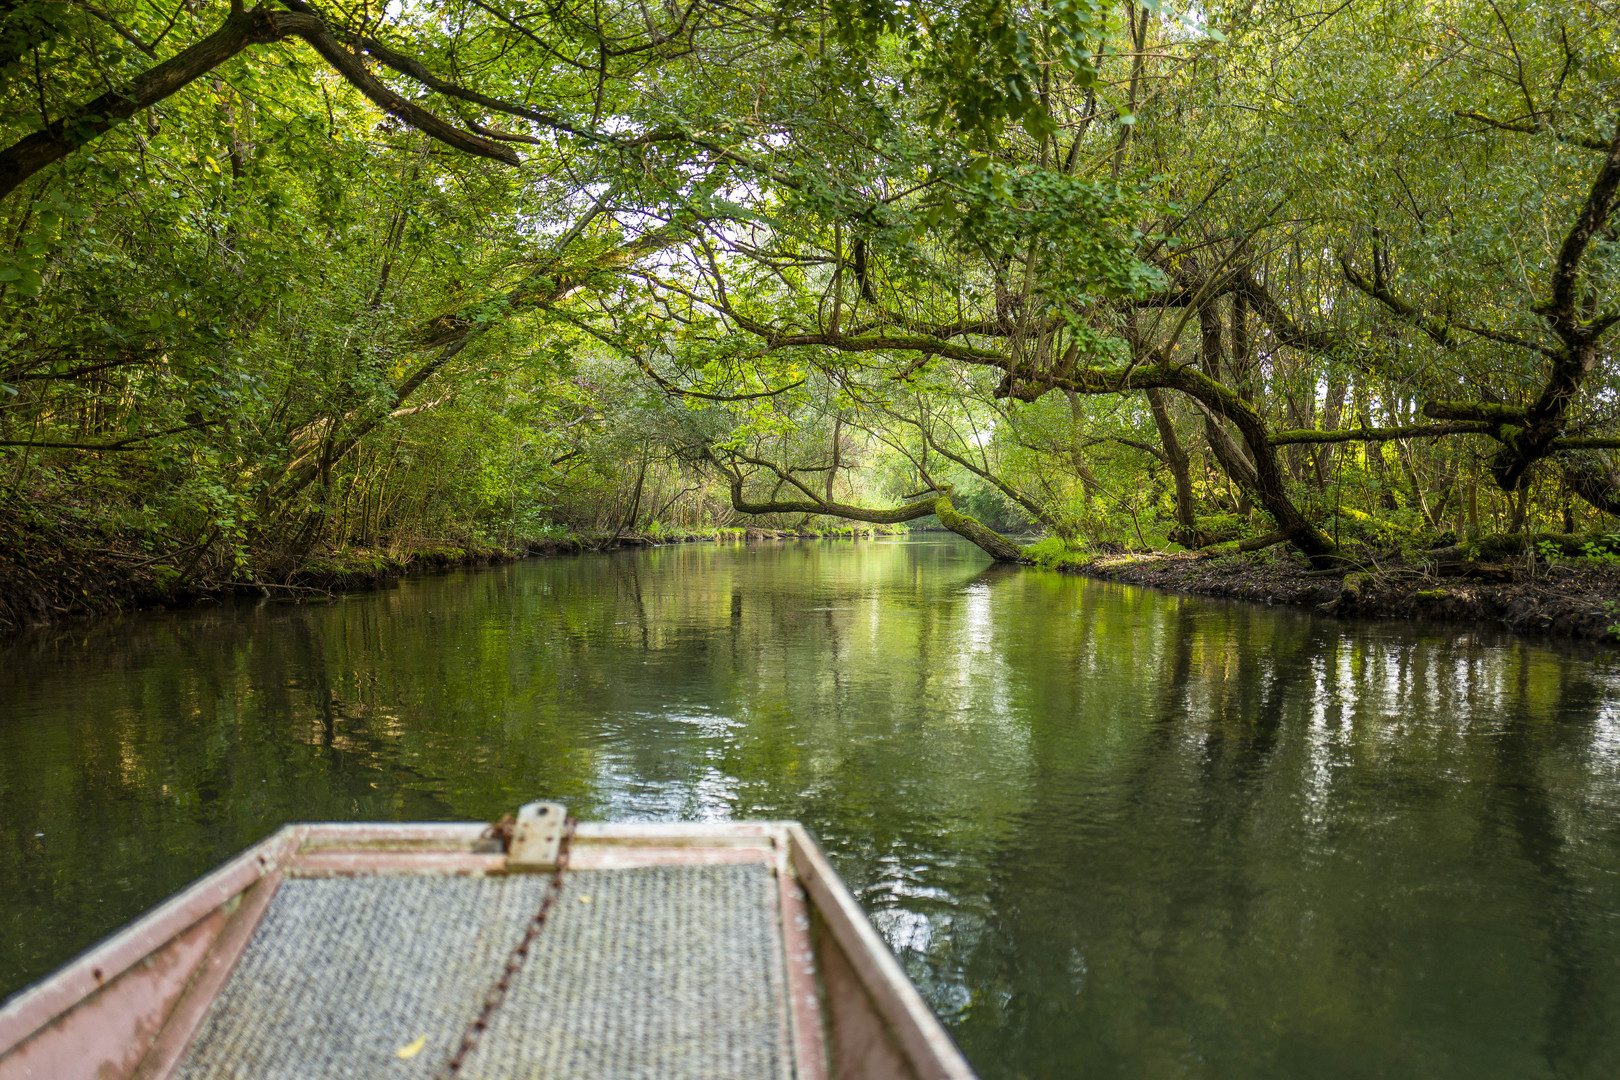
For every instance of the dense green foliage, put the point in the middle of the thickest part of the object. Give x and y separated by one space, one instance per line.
472 272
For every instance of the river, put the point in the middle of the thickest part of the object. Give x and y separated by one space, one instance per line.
1108 832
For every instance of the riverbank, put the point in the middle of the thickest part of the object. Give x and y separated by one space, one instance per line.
54 582
45 582
1576 599
65 574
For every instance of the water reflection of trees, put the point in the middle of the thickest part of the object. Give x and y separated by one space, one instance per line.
1312 861
1102 828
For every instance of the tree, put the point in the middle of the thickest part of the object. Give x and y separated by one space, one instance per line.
1272 283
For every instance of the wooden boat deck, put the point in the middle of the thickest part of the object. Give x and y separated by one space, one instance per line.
672 951
672 972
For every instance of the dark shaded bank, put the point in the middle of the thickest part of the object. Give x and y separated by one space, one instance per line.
47 576
43 583
1578 600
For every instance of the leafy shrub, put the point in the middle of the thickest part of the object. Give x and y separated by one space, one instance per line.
1055 551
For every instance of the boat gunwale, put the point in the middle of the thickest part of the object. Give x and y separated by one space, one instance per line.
923 1038
33 1008
191 1009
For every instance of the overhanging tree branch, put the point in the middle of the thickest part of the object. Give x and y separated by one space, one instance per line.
1563 312
241 30
120 446
1410 431
1027 384
1531 128
987 539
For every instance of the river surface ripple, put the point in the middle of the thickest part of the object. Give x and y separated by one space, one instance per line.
1108 832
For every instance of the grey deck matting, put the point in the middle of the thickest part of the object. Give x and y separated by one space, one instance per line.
667 972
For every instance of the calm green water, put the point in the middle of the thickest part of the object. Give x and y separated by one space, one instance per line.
1109 833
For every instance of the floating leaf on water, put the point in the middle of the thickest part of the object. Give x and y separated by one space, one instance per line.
584 899
405 1053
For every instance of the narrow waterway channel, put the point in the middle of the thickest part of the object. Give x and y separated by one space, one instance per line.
1108 832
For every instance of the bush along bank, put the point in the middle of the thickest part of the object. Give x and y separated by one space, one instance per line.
1539 591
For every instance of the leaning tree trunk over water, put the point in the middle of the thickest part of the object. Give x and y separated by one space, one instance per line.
1029 505
1152 370
1151 367
936 504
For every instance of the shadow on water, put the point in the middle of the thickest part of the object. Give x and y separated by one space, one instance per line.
1107 831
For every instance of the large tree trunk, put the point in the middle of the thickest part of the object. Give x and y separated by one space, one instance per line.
992 543
1175 458
1259 474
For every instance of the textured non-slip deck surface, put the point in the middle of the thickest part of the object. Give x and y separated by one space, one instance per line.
667 972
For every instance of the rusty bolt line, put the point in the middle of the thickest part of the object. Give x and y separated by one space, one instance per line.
514 961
